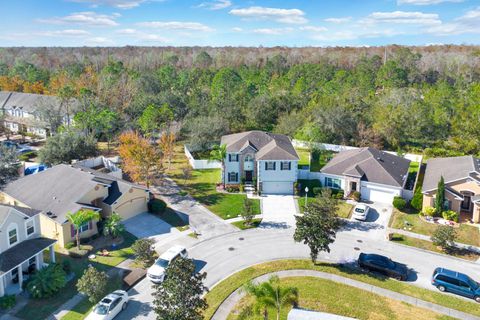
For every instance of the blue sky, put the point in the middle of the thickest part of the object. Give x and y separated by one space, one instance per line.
238 23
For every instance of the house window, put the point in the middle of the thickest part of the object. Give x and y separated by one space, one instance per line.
248 158
332 183
233 177
30 227
84 227
285 165
270 165
233 157
12 236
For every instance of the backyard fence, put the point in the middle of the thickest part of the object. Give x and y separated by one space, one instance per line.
200 164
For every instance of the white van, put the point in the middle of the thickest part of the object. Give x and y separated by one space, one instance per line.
156 273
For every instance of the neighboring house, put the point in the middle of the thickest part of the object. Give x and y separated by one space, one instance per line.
21 247
265 158
377 175
21 111
462 184
64 188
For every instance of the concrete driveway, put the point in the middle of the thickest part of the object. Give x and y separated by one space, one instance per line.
278 212
376 224
147 225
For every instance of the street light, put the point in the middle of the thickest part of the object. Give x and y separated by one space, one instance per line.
306 196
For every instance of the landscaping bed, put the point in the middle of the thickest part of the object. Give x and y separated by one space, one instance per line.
223 289
328 296
241 224
428 245
412 222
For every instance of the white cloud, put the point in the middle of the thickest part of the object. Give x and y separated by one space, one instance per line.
216 5
468 23
84 18
64 33
291 16
338 20
237 29
140 35
126 31
424 2
273 31
99 41
403 17
313 29
176 25
121 4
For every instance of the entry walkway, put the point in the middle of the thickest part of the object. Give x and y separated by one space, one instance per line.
227 306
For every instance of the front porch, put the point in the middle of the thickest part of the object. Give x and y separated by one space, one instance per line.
21 261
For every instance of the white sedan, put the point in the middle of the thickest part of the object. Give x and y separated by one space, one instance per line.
360 212
110 306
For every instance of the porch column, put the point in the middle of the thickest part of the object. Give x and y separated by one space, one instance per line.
38 265
2 286
52 254
20 277
476 213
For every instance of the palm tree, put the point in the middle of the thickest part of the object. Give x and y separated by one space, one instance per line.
219 153
47 281
271 294
113 226
79 218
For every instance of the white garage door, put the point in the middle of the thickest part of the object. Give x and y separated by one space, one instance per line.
377 195
277 187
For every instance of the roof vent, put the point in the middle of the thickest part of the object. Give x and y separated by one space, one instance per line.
54 197
54 216
49 213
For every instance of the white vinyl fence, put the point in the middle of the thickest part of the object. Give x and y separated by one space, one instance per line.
201 164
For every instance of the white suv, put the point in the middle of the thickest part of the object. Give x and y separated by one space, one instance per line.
156 273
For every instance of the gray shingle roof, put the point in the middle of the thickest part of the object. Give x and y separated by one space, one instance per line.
27 101
452 169
26 211
371 165
12 257
269 146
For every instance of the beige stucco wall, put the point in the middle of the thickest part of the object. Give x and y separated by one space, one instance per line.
99 191
466 186
131 203
429 201
51 229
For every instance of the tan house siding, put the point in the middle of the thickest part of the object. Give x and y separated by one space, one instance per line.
7 199
466 186
428 201
51 229
131 203
98 192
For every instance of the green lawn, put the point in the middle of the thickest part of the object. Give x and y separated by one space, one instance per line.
202 187
302 184
223 289
428 245
304 155
466 233
324 156
38 309
344 209
328 296
241 225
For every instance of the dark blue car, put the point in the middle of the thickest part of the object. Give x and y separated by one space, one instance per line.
456 282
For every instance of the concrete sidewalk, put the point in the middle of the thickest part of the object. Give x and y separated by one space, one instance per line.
226 307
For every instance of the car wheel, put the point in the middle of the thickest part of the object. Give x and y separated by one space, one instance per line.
477 298
124 306
442 288
398 277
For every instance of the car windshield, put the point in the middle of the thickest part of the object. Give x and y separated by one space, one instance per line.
359 210
101 309
390 264
473 284
162 263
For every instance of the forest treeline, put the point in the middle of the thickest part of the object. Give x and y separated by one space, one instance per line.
399 98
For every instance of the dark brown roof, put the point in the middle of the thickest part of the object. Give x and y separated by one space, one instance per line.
452 169
24 250
370 165
269 146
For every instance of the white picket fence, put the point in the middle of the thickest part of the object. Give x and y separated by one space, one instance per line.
338 148
200 164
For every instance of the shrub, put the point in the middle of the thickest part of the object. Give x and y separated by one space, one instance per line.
399 203
93 284
27 156
157 206
47 281
69 245
450 215
144 251
317 190
67 266
247 213
233 189
296 188
241 188
417 200
356 195
339 194
429 211
444 237
7 301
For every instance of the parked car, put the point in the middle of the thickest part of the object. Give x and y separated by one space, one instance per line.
110 306
384 265
456 282
156 273
360 212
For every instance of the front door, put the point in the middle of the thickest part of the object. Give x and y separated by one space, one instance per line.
249 175
466 202
353 186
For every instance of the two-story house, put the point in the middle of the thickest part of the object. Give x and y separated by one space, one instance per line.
65 189
20 112
21 246
264 158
